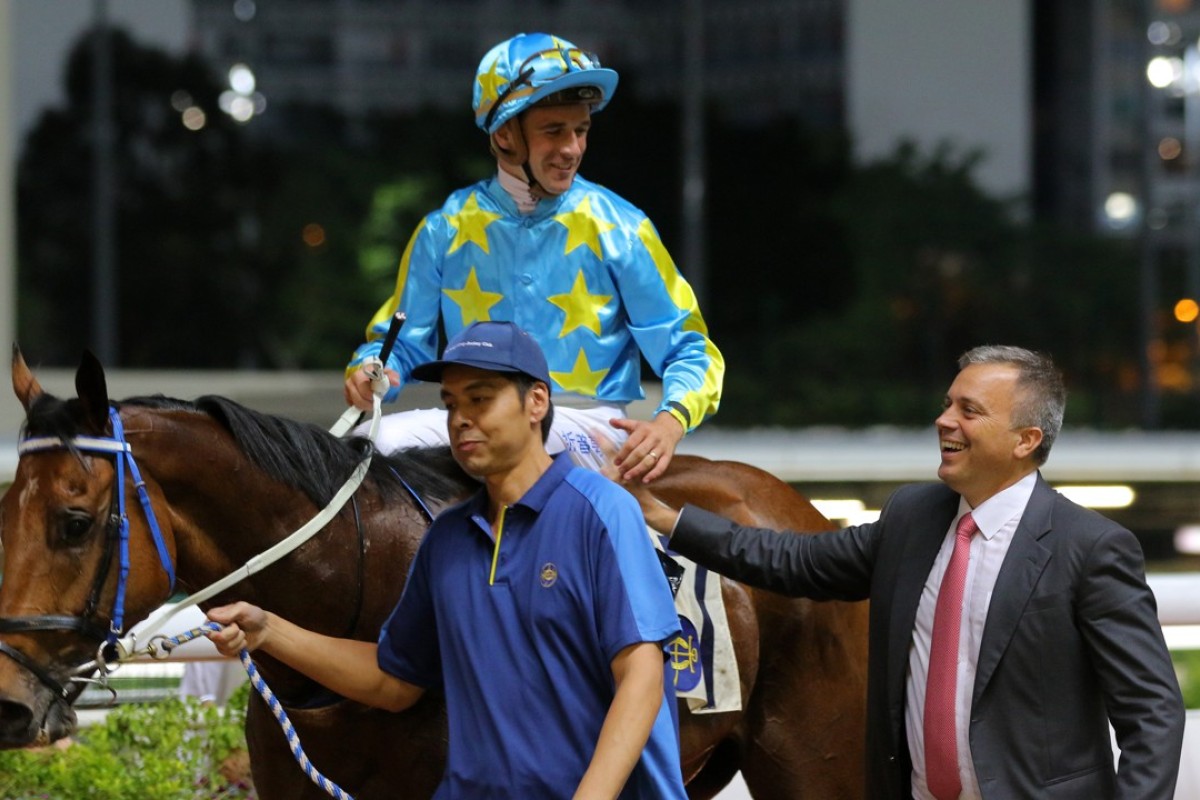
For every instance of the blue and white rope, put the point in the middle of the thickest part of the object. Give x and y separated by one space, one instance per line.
169 643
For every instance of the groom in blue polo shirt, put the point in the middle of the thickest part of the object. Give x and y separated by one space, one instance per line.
538 604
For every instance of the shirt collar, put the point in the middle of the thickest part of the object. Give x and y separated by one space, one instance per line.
517 190
999 509
544 208
536 496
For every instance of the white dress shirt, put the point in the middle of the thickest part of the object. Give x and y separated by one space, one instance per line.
997 518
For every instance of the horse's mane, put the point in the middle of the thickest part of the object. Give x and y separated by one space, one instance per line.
298 454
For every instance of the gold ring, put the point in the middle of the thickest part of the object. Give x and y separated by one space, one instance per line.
654 455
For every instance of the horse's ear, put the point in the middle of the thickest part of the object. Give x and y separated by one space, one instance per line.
92 390
24 384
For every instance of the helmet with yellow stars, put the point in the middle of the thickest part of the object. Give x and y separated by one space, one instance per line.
537 69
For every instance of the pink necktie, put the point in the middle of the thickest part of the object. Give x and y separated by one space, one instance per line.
941 739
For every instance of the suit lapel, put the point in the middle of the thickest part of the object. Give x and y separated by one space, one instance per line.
1019 574
922 541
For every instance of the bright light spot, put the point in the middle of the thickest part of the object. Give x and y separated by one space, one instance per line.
194 118
1115 496
1163 71
1173 377
867 515
241 109
1158 33
846 510
1169 148
245 10
260 103
1187 540
241 79
1186 310
313 235
1120 208
1182 637
838 509
181 100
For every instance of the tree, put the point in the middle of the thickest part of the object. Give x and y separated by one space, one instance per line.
932 267
186 217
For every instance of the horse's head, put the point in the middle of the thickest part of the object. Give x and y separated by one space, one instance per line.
61 529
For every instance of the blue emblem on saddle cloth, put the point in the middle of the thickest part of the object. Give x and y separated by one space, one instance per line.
702 658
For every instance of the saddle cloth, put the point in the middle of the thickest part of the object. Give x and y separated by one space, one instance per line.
701 658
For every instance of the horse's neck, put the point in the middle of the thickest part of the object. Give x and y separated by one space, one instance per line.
223 509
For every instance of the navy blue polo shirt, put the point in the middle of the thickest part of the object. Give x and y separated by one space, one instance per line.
521 625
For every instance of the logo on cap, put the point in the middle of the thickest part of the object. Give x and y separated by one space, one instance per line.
466 343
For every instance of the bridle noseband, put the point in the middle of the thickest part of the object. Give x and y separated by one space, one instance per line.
116 539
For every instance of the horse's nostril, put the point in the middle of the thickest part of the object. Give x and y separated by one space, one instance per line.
15 724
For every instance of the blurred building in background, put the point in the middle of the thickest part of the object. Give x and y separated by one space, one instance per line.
1167 146
856 64
1088 110
1117 151
762 57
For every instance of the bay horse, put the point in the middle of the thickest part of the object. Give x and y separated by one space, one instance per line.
226 482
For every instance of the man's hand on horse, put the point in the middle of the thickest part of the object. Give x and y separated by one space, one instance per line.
244 626
358 388
658 514
650 447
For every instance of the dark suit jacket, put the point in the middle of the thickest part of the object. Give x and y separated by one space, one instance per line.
1071 643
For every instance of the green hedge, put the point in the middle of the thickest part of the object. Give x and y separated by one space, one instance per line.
1187 667
176 749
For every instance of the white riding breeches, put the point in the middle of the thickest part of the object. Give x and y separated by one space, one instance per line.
575 430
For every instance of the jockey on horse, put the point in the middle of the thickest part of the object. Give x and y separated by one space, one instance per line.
570 261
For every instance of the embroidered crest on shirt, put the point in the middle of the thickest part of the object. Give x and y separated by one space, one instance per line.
548 574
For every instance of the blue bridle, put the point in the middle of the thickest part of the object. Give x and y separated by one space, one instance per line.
122 453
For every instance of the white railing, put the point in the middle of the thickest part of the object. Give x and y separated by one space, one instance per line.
1178 596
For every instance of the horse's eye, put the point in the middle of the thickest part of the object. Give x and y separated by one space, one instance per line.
75 526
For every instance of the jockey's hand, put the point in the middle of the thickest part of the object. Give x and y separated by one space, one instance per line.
358 388
245 627
650 447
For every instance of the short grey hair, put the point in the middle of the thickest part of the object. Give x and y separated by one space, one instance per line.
1043 395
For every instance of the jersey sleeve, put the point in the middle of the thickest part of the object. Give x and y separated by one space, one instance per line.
418 295
666 322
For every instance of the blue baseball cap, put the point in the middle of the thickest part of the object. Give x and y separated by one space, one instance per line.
494 346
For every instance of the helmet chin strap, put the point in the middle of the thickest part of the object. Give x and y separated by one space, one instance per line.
518 156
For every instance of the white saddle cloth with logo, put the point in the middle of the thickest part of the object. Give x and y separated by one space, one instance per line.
702 663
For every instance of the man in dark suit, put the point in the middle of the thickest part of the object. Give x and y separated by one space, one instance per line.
1049 633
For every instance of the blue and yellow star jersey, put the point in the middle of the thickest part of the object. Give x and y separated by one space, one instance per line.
585 274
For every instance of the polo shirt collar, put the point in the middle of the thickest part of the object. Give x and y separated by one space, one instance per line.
536 496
